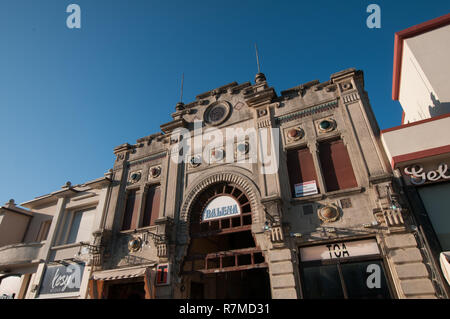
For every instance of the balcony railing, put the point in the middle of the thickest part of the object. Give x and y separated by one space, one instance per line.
22 253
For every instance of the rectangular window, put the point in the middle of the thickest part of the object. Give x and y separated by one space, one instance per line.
129 209
151 212
78 226
43 230
337 168
301 169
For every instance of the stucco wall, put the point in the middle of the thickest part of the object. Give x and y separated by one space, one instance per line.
424 90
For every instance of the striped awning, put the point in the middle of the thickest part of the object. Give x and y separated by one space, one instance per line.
123 273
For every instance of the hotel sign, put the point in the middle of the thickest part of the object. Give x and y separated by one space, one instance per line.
220 207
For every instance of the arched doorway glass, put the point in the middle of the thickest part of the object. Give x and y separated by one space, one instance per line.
223 259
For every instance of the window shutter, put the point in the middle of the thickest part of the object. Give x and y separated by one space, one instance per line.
151 212
129 208
300 167
337 168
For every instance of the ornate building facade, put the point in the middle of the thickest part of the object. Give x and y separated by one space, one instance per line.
315 214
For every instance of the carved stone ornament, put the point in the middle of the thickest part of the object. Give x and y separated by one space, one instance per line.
242 148
134 244
217 154
326 125
135 177
346 86
294 134
328 214
154 171
195 161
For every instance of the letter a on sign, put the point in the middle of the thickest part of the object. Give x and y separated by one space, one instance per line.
162 274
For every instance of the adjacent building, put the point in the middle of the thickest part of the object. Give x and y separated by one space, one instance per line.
419 149
49 248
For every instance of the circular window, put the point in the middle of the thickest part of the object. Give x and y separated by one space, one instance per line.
217 113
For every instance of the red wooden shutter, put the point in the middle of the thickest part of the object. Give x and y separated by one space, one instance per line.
151 212
129 208
337 169
300 167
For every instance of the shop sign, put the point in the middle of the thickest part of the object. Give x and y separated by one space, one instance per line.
220 207
340 250
417 175
62 279
162 274
305 189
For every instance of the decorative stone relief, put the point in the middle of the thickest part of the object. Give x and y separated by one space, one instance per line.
195 161
154 172
135 177
345 86
294 134
328 214
325 125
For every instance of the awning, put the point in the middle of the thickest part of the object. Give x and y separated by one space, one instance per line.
123 273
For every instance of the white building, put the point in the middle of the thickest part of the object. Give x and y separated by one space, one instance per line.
419 149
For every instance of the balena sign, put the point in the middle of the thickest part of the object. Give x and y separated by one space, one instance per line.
220 207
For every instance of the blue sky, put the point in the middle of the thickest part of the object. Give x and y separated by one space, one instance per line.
68 97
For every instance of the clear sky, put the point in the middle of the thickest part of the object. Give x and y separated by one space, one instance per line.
69 96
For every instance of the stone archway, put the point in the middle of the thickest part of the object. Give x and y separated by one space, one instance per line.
232 176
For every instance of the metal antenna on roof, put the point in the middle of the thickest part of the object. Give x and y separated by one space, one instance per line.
182 81
257 59
180 105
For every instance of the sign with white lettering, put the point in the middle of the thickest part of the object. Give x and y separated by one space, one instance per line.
340 250
418 176
220 207
62 279
305 189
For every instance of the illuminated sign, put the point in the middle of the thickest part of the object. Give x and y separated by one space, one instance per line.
220 207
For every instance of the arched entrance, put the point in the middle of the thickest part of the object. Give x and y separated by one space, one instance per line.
223 259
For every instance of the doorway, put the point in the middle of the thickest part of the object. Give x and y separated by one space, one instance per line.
244 284
134 290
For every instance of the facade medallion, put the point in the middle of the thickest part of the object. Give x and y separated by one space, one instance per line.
242 148
294 134
135 177
154 171
328 214
326 125
195 161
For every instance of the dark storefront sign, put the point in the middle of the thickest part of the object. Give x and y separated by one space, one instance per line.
343 270
62 279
